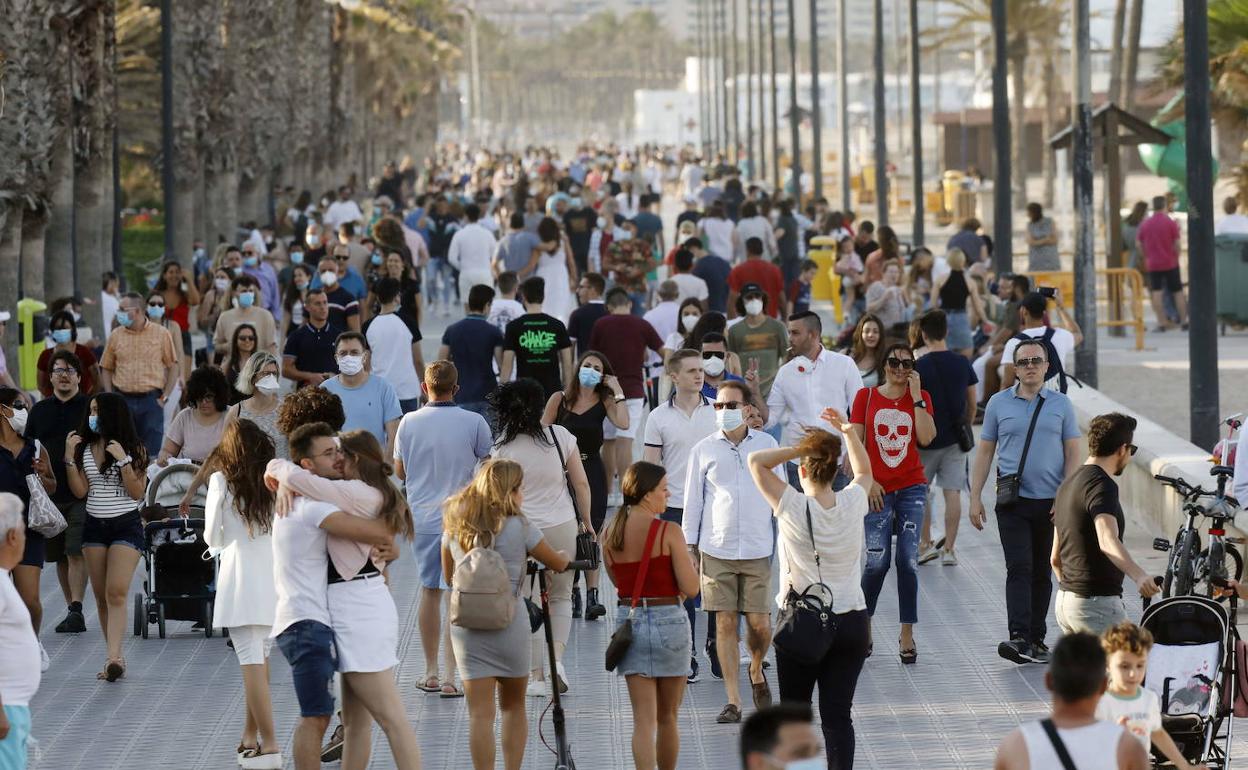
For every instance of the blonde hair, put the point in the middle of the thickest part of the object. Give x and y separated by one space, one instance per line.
956 259
482 507
364 448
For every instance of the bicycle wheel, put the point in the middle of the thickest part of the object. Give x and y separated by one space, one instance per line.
1180 580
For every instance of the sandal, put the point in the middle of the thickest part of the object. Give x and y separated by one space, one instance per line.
430 683
449 690
115 669
910 655
244 750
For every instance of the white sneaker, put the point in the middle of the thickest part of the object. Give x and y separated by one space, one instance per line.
262 762
44 661
561 676
536 688
948 559
930 553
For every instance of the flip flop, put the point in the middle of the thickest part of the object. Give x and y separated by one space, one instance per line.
429 684
449 690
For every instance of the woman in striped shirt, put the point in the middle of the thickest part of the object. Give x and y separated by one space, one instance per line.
106 460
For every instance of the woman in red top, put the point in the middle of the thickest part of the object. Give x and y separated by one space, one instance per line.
657 662
179 295
64 331
899 413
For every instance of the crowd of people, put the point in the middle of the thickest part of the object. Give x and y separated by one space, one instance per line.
288 368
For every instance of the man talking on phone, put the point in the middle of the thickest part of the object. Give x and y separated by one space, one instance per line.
1060 340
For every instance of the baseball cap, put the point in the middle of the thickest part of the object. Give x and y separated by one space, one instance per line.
751 288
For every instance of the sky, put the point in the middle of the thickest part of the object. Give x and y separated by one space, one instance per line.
1161 17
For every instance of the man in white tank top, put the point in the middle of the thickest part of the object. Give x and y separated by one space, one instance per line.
1072 738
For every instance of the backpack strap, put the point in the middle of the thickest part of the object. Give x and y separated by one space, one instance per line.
1059 747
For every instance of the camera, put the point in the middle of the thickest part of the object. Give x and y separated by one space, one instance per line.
1048 291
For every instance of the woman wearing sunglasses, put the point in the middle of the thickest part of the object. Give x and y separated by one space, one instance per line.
899 413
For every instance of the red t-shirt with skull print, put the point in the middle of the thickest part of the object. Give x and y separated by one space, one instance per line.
891 441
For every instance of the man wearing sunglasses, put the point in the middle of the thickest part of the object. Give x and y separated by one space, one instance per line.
1089 557
1030 471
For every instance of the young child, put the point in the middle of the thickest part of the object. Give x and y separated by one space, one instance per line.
1125 702
799 289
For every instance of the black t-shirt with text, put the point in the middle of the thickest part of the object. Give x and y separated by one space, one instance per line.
579 225
536 339
1086 570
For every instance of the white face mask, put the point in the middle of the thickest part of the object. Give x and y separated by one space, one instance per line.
813 763
687 322
350 365
729 419
18 420
713 366
329 278
268 384
753 306
221 284
313 240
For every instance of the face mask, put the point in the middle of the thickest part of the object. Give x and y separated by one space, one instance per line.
729 419
61 336
93 423
18 420
375 259
200 253
753 306
350 365
813 763
301 284
689 321
268 384
713 366
247 299
589 377
220 284
313 240
155 312
123 318
296 257
329 278
251 261
602 223
236 270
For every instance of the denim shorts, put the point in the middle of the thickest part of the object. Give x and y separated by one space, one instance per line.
427 550
126 529
661 642
13 749
309 648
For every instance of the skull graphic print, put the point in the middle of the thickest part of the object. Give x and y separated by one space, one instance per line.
894 430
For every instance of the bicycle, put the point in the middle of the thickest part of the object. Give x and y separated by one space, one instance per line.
1190 570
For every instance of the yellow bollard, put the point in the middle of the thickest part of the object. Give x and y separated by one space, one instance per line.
30 340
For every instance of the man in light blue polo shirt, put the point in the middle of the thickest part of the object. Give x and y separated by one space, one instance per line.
436 452
1026 525
368 401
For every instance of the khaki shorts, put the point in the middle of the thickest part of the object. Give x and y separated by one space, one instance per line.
736 585
69 542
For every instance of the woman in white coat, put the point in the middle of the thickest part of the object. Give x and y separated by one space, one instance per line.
239 517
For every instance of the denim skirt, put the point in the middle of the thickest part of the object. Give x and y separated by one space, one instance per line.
661 644
959 334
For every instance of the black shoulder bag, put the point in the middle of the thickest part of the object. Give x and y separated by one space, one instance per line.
1009 485
806 626
1059 747
586 545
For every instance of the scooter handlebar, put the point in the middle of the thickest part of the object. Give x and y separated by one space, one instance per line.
583 565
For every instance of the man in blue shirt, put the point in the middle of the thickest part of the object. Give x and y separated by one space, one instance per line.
436 452
714 270
368 401
474 346
1026 525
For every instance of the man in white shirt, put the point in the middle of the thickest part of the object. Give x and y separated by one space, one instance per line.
689 284
1063 341
472 251
19 648
663 317
395 343
342 210
814 379
672 429
728 524
1233 223
505 306
301 624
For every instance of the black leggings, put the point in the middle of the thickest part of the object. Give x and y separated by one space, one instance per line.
837 678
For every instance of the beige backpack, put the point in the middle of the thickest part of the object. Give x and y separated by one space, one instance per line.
482 597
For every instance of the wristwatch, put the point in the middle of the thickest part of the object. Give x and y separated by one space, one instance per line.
921 404
618 399
123 462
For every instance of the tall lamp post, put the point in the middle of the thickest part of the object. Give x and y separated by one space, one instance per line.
881 141
736 98
749 91
166 123
916 124
762 118
842 96
816 116
775 103
1081 149
1002 226
795 138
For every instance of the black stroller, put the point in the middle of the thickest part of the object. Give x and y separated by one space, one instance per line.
180 583
1192 668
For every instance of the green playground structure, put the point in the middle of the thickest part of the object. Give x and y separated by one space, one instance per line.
1170 160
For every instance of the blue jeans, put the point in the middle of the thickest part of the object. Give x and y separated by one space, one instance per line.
149 420
13 749
902 515
440 272
409 404
309 648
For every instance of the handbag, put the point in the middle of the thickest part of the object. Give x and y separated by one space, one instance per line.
1009 485
965 435
42 515
586 545
806 626
622 639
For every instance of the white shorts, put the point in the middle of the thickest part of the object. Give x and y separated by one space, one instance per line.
251 644
634 407
365 623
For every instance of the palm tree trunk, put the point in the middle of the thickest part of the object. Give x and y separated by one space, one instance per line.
59 241
1115 52
1018 152
1132 64
10 258
34 230
1050 124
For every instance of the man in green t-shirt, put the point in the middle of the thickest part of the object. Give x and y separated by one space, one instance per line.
758 338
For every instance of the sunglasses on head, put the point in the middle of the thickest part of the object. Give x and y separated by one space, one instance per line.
1133 449
727 405
1027 363
900 363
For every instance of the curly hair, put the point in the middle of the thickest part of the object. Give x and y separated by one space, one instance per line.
309 405
207 382
820 451
1126 637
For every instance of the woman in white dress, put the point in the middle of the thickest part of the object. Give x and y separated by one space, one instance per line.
556 267
238 521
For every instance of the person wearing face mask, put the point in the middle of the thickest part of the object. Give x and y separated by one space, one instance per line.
728 523
589 291
293 315
141 364
717 363
591 401
296 253
687 317
214 301
758 338
369 401
19 458
783 737
62 332
245 309
344 306
758 272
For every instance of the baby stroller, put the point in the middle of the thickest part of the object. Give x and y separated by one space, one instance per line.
180 582
1192 668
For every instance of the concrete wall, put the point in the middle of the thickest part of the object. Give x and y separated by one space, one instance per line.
1160 452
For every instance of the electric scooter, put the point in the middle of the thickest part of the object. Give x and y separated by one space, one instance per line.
562 750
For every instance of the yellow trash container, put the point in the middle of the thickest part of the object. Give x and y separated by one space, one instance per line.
31 328
827 284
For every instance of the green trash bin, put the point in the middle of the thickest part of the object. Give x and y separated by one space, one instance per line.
1231 260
